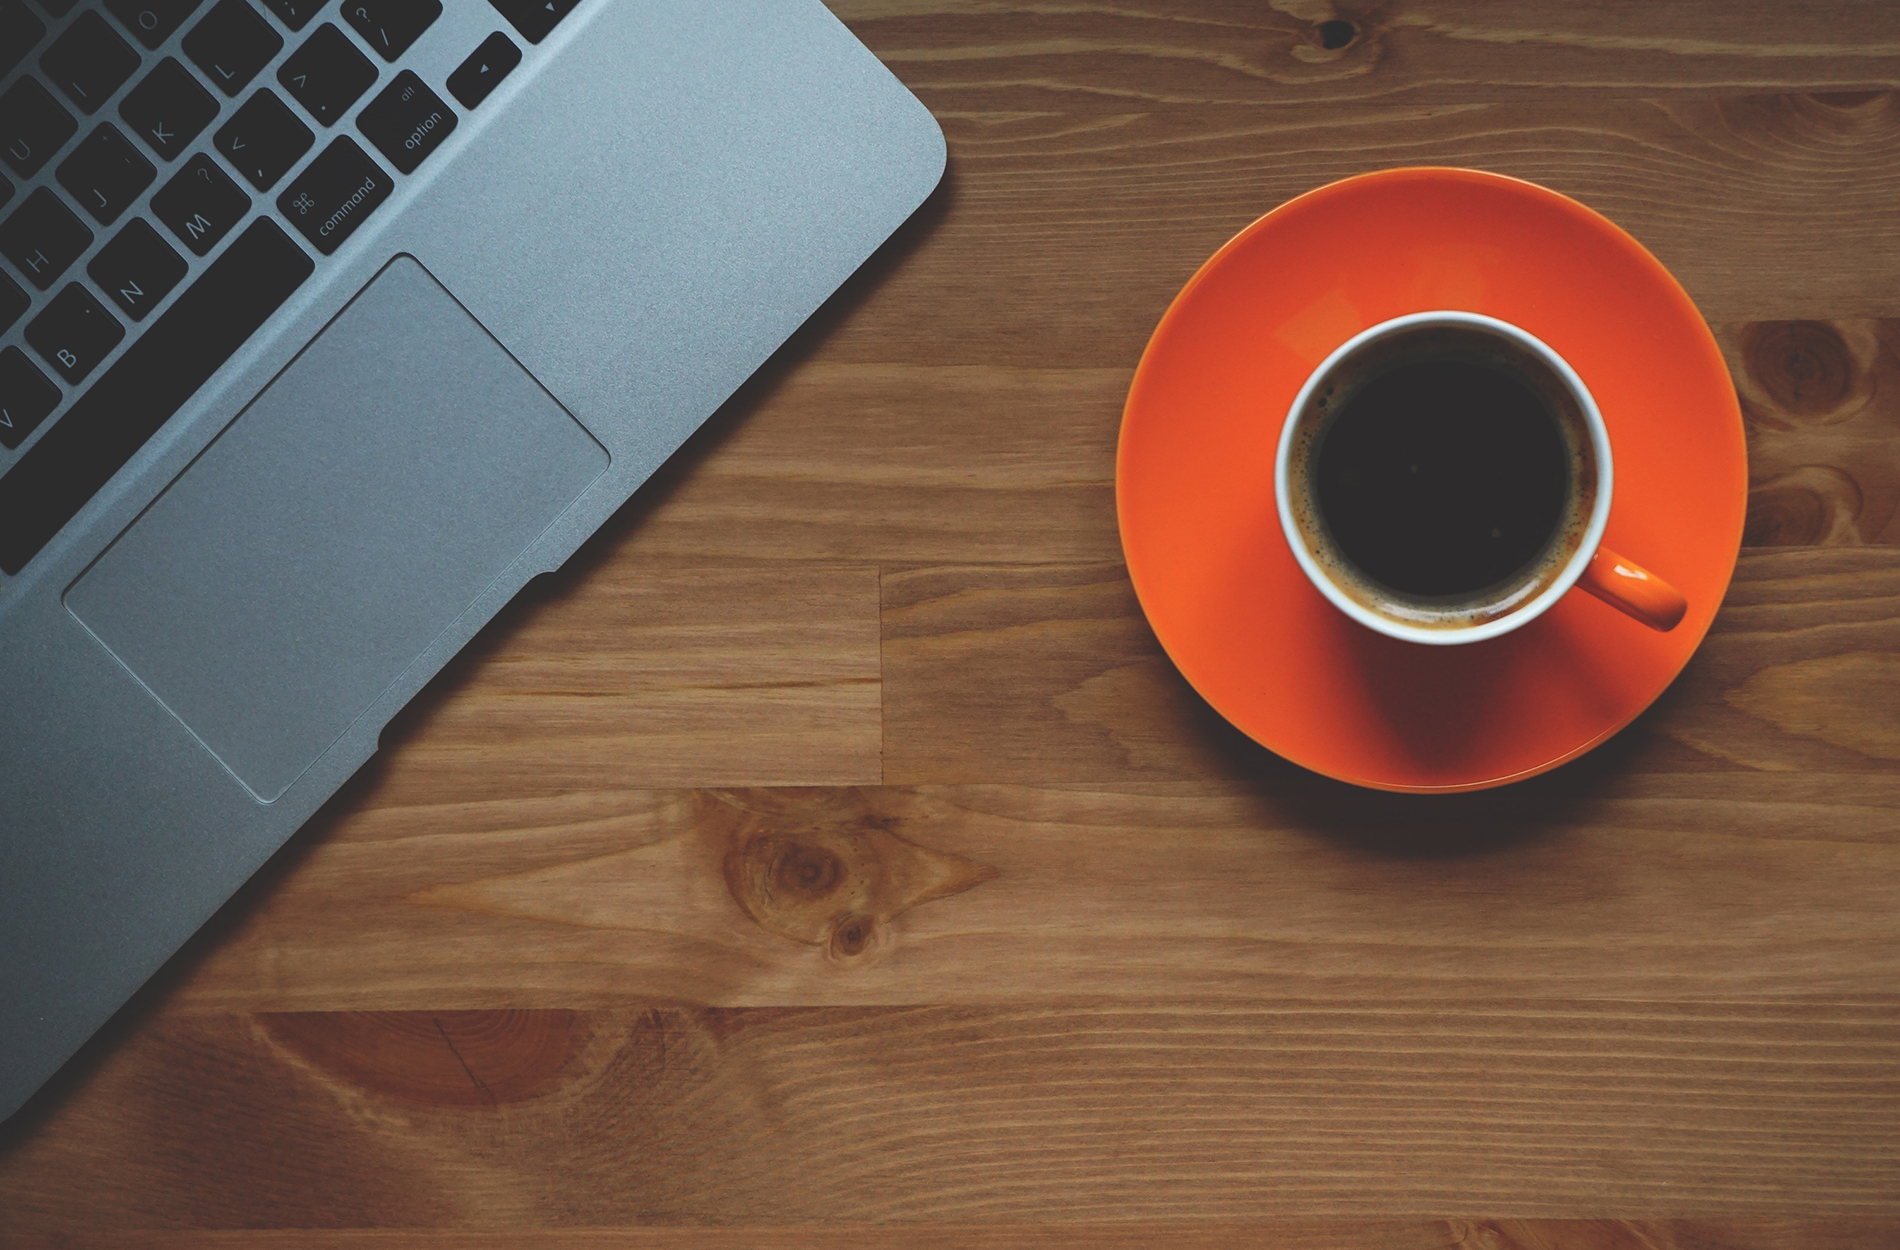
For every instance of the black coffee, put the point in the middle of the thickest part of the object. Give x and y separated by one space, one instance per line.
1443 477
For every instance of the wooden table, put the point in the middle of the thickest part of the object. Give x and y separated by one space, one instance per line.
829 856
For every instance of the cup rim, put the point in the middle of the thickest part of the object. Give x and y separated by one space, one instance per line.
1573 568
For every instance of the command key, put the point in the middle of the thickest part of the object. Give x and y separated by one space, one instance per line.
334 194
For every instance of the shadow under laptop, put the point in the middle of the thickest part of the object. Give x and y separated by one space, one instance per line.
149 1000
758 389
665 483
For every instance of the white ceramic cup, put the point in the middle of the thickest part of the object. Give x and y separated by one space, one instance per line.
1574 554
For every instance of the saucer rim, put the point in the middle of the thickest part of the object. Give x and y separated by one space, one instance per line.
1667 286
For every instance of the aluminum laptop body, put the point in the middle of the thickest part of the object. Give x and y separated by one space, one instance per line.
218 589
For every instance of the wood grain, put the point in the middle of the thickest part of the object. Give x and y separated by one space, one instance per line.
1051 672
1310 1234
1691 823
1200 52
674 1115
1096 221
1606 883
610 676
829 855
970 462
997 464
1822 402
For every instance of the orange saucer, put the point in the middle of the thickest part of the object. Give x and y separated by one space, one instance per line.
1194 478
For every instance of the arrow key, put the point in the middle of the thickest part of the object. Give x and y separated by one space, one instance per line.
534 18
477 76
327 74
25 397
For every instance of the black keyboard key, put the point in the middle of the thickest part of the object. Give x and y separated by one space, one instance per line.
534 18
89 61
105 173
391 26
200 204
168 109
13 302
264 139
25 397
295 13
152 21
406 121
43 238
58 8
474 78
137 269
162 369
74 332
334 193
327 74
33 126
6 192
19 31
231 44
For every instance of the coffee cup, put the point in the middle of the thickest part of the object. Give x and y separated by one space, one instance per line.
1445 477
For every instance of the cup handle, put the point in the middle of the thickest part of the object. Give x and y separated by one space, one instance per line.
1629 587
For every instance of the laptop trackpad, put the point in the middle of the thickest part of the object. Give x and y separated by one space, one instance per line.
345 519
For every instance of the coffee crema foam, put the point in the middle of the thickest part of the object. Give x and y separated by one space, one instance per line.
1463 343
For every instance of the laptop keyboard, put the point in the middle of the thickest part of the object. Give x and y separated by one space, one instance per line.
138 259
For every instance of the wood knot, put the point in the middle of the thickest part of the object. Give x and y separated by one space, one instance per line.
1811 505
830 878
852 936
800 870
1328 43
1805 371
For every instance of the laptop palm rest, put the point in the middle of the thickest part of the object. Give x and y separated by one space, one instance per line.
361 503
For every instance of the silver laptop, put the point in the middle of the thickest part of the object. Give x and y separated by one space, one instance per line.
322 330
